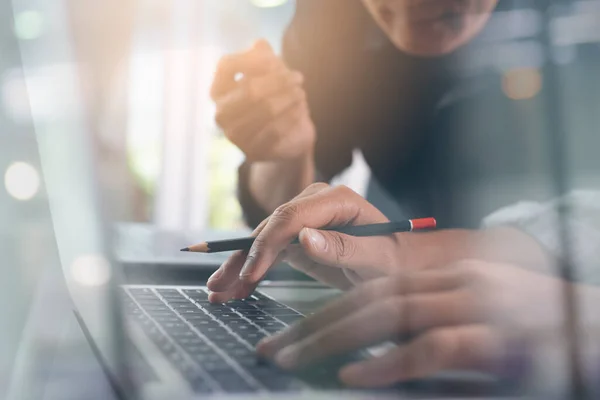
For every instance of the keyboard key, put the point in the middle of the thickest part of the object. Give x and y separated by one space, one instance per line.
269 324
236 303
252 313
253 337
140 291
281 311
178 300
228 342
236 322
242 306
189 311
214 331
202 358
153 301
202 323
196 294
170 293
199 349
267 304
153 309
227 317
216 311
183 334
290 319
190 341
244 328
260 318
184 305
200 316
239 352
166 318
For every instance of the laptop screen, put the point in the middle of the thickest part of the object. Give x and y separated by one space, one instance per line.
51 75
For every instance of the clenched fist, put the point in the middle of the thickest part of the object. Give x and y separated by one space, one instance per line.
261 106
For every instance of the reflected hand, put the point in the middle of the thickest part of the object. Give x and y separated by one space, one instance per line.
464 316
264 113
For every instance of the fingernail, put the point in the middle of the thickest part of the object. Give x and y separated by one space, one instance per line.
216 275
248 268
317 239
263 347
287 358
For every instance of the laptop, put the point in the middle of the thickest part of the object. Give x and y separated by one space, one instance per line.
152 341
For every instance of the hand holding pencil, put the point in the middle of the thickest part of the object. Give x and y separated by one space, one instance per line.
386 228
322 221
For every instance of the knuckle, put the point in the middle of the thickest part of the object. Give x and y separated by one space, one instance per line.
345 190
344 248
318 186
440 346
286 212
220 119
270 107
251 92
469 270
298 93
234 134
393 307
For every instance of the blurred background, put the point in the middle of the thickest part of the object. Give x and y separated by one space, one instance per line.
147 66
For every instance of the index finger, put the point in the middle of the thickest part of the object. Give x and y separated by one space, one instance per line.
228 274
337 206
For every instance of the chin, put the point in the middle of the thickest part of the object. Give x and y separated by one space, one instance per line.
436 38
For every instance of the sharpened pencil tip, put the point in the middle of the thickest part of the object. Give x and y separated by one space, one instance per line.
185 249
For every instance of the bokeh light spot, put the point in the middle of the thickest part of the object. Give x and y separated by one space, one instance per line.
22 181
268 3
91 270
29 25
522 83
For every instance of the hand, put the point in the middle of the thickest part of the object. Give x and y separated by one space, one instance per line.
265 112
321 254
469 315
342 260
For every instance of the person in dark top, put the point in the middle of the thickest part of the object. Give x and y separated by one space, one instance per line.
387 78
348 83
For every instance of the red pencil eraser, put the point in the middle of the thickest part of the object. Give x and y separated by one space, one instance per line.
423 223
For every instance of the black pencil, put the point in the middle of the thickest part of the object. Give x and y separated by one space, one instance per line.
357 230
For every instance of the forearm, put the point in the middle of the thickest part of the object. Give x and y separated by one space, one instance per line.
274 183
542 222
499 245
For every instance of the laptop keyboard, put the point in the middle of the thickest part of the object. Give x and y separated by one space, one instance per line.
212 345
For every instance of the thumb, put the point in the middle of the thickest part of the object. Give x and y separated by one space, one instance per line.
357 253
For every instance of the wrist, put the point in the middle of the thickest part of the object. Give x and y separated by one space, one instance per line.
273 183
501 245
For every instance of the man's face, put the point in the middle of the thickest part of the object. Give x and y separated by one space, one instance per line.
430 27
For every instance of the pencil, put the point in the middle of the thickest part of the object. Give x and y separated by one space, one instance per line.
358 230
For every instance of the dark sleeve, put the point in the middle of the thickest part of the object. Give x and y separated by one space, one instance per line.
252 211
316 43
